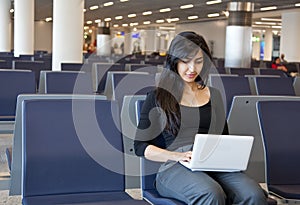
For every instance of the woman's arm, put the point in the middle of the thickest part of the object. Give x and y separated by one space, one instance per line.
155 153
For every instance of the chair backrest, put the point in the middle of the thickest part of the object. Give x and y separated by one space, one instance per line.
296 85
13 83
72 66
243 120
71 146
148 168
65 82
242 71
274 86
99 74
279 123
128 124
143 68
252 78
269 71
136 83
230 86
15 186
35 66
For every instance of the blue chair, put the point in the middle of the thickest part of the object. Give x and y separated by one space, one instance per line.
269 71
230 86
65 82
243 120
128 124
274 86
13 83
148 175
242 71
279 123
72 66
34 66
72 153
99 74
128 83
15 154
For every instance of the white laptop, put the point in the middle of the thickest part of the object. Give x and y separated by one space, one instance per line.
224 153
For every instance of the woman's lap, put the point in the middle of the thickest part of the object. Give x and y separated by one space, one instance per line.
208 187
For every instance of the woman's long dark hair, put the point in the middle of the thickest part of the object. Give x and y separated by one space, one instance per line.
170 88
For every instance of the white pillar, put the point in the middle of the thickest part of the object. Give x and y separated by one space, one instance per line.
127 41
150 36
268 45
5 26
289 41
24 27
238 49
103 40
67 32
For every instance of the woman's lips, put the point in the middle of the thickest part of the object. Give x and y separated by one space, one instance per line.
192 75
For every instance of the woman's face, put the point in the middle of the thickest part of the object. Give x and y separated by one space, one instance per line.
277 61
189 69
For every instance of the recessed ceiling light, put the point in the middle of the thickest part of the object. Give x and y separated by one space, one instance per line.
147 13
160 21
94 7
107 19
164 10
268 8
123 0
84 10
131 15
213 2
213 15
110 3
146 22
192 17
265 23
298 4
97 20
169 20
187 6
89 22
119 17
124 24
48 19
115 25
276 26
134 24
270 19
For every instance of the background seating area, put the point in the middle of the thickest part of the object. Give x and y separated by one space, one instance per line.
121 88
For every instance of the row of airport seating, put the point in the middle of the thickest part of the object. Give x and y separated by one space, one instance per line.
71 150
252 71
129 150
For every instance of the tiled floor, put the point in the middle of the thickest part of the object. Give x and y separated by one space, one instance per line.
16 200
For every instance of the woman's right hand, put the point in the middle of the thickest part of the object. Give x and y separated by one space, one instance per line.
184 156
162 155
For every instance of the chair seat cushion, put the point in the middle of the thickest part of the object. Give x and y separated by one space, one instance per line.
154 198
120 198
286 191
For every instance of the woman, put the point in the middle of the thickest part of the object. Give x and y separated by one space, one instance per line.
277 65
180 107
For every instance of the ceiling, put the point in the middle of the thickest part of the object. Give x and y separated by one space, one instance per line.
43 9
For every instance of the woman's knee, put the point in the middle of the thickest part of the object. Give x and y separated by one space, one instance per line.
212 195
254 197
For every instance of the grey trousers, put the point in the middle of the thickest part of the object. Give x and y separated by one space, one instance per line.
208 188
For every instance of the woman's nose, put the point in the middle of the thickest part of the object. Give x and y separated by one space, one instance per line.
191 67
